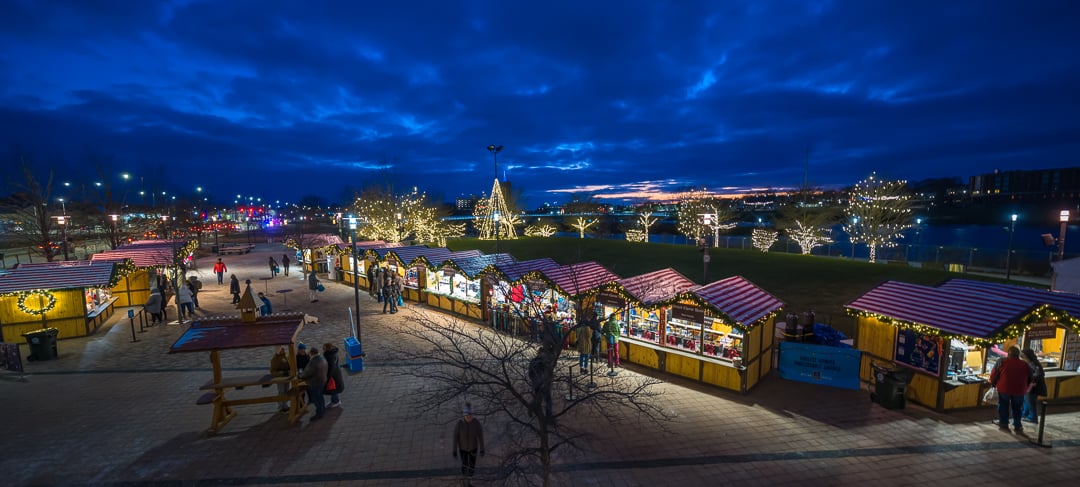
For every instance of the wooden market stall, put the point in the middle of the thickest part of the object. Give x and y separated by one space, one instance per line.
506 300
416 265
457 285
148 259
320 253
72 296
719 334
217 335
951 335
352 263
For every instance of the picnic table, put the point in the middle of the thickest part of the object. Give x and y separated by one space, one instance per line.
216 335
235 249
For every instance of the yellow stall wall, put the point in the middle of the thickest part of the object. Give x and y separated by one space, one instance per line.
963 396
721 376
133 289
923 390
1068 386
637 354
684 366
68 316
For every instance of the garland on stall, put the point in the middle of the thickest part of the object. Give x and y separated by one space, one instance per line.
1041 314
50 301
121 270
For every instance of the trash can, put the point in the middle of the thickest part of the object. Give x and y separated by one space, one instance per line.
354 357
42 343
892 390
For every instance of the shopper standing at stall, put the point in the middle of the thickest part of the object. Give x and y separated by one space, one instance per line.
279 367
584 347
183 298
315 376
234 288
333 371
1037 388
1011 377
220 270
611 334
153 305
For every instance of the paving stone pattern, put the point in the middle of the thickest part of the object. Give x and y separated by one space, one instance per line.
112 412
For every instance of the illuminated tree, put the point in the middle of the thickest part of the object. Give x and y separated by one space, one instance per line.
806 219
646 220
540 230
763 239
582 224
877 212
694 224
494 216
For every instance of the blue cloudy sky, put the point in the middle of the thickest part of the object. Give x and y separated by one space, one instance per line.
285 99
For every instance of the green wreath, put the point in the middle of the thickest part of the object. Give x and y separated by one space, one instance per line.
50 302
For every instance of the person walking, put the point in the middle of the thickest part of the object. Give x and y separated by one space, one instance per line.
183 298
313 286
315 376
279 367
285 263
333 371
1030 413
266 309
611 333
273 267
153 306
1011 377
584 347
234 288
196 286
220 270
468 441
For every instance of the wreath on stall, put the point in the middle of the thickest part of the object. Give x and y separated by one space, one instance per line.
50 302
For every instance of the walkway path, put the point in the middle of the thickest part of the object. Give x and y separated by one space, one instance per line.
113 412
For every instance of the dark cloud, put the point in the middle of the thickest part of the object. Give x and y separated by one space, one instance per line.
288 99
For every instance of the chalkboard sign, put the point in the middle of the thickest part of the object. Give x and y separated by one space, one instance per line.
1071 360
916 350
10 359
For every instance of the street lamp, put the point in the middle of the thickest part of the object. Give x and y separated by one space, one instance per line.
854 222
63 205
494 150
918 229
62 221
1008 256
1064 217
355 279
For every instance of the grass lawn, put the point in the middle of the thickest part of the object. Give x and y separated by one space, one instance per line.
803 282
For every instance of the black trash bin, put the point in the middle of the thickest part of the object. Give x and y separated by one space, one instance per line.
892 390
42 343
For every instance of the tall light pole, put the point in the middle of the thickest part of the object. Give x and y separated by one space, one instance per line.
62 221
1064 217
854 222
1008 256
116 230
494 150
355 278
918 229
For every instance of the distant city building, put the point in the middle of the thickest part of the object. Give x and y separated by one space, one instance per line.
466 203
1035 184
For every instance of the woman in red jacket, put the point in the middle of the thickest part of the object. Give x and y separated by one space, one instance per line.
1011 377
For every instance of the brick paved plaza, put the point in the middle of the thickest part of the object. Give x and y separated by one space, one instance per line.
112 412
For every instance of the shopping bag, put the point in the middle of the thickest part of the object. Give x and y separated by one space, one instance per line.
991 395
331 386
320 288
400 302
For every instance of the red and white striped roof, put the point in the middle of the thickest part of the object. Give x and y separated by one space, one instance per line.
738 299
141 254
656 286
576 279
1069 303
953 310
69 274
474 265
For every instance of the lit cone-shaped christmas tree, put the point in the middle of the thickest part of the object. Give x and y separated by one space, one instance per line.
495 207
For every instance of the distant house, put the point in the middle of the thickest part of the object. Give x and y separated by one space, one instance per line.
1066 276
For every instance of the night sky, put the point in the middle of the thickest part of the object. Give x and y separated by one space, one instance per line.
286 99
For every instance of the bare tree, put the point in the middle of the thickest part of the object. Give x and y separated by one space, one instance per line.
30 207
514 381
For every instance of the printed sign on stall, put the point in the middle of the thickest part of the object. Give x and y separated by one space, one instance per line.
917 350
688 312
820 364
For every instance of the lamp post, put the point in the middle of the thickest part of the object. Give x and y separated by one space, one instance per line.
854 222
116 230
62 221
1064 217
918 229
494 149
1008 256
356 277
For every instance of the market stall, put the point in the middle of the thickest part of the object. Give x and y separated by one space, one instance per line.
350 263
456 284
320 253
417 263
147 259
951 336
72 296
509 298
719 334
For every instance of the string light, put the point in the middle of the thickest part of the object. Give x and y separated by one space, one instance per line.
763 239
546 230
50 301
808 237
878 212
1011 331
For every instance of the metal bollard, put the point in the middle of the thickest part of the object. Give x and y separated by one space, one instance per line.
570 383
1042 422
131 319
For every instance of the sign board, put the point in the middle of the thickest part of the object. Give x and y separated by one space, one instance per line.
688 313
820 364
448 271
919 351
1041 330
10 358
611 300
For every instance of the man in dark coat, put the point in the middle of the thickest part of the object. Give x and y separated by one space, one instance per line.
315 376
234 289
333 371
285 263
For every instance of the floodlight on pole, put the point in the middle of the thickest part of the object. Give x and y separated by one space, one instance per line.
356 278
1064 217
1008 256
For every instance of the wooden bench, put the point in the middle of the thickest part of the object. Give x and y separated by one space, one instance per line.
236 249
241 382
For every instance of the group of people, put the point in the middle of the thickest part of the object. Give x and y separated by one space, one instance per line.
275 270
1019 382
321 370
187 298
589 337
387 286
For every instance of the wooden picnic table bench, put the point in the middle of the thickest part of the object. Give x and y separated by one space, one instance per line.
236 249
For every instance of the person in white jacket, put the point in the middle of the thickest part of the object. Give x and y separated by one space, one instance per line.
183 298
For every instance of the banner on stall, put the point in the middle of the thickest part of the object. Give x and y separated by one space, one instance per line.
820 364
